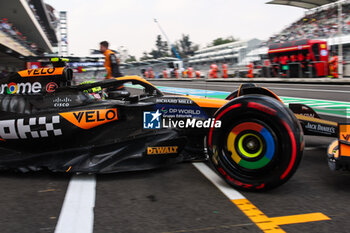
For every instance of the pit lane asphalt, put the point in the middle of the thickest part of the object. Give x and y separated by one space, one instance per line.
315 91
180 199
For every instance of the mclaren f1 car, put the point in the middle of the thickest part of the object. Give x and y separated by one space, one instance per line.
251 138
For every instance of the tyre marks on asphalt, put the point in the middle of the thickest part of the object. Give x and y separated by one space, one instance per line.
31 202
177 198
266 224
77 213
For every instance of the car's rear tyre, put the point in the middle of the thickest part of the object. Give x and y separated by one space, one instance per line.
259 144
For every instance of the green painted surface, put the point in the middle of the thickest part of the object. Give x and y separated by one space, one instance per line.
335 108
328 107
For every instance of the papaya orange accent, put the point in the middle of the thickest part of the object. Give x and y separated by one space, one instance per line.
332 147
239 90
344 137
135 78
345 150
289 49
87 119
276 96
41 72
208 103
317 120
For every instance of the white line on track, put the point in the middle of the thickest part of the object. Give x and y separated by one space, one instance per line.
299 99
339 106
308 102
77 213
304 89
293 89
229 192
225 84
274 88
304 84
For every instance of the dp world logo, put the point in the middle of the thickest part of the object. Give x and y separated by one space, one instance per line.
151 120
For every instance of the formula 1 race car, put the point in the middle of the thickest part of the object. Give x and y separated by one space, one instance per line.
252 139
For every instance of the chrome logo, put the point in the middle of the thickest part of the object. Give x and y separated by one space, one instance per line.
20 88
12 88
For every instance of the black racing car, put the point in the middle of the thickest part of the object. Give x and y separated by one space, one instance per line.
252 139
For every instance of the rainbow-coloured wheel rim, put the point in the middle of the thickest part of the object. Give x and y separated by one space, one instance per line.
251 144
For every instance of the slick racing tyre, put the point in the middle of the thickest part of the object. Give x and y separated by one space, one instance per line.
259 144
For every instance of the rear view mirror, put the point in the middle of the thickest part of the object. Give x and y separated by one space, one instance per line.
118 94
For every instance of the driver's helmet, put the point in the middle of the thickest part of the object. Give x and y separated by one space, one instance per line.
95 92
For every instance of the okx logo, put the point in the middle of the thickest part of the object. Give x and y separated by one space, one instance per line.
152 120
35 127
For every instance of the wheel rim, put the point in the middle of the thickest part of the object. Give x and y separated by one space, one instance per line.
251 145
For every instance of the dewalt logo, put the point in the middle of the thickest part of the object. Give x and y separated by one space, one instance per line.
162 150
88 119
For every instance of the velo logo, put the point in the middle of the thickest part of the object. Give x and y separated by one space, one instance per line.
88 119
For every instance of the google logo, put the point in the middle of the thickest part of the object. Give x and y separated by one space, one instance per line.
12 88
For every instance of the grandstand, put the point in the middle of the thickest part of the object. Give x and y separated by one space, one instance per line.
320 22
157 65
231 53
63 34
27 28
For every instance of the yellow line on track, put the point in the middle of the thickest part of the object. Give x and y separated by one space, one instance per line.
272 225
266 224
257 216
300 218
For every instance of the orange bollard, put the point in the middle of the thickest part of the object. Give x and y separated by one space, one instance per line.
250 71
215 74
334 67
213 71
224 71
165 74
176 73
151 74
190 72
